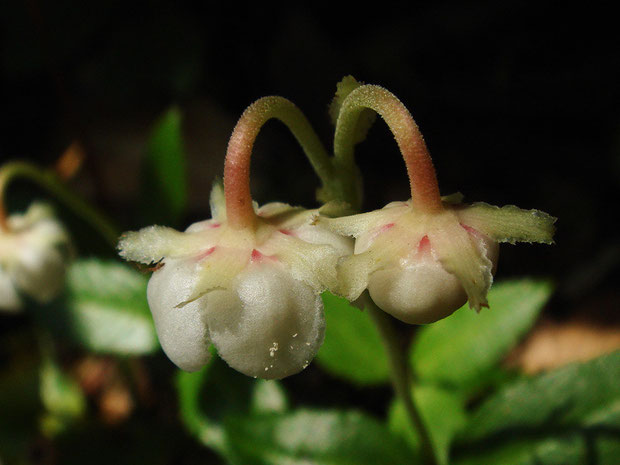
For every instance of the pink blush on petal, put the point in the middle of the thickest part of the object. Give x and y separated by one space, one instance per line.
258 257
469 229
205 254
424 245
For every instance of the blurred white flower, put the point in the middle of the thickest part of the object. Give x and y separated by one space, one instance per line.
34 250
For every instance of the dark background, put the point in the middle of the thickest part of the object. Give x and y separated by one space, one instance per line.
518 102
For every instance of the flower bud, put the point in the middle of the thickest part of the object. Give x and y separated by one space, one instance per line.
34 252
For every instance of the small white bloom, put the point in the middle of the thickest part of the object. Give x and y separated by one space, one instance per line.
253 293
420 267
33 257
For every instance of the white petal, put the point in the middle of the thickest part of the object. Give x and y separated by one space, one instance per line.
36 213
39 271
9 299
182 331
316 234
417 294
270 325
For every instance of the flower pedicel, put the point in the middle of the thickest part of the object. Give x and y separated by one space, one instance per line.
424 258
249 279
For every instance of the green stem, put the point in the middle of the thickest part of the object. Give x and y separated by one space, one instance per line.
401 378
49 181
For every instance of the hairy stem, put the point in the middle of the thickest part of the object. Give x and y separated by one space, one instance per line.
422 179
49 181
401 379
239 208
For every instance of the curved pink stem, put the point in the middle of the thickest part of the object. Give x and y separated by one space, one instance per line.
239 209
422 178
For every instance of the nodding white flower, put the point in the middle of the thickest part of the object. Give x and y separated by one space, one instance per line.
34 250
422 266
252 292
422 259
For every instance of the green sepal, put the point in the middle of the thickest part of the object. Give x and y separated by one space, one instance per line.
366 118
509 224
217 201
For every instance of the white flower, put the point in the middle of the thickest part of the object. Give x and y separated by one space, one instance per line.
422 266
33 257
253 292
422 259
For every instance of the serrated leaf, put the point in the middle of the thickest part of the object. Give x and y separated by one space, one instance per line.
462 349
573 409
315 437
443 414
104 309
580 394
352 349
165 176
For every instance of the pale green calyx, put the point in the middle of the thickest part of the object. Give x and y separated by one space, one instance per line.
34 252
422 266
253 292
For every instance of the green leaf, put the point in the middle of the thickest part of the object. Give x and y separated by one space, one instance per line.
62 397
104 309
165 176
461 350
574 409
314 437
567 450
352 349
189 386
443 414
578 395
208 396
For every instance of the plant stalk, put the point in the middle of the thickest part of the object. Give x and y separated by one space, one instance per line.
50 182
401 378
